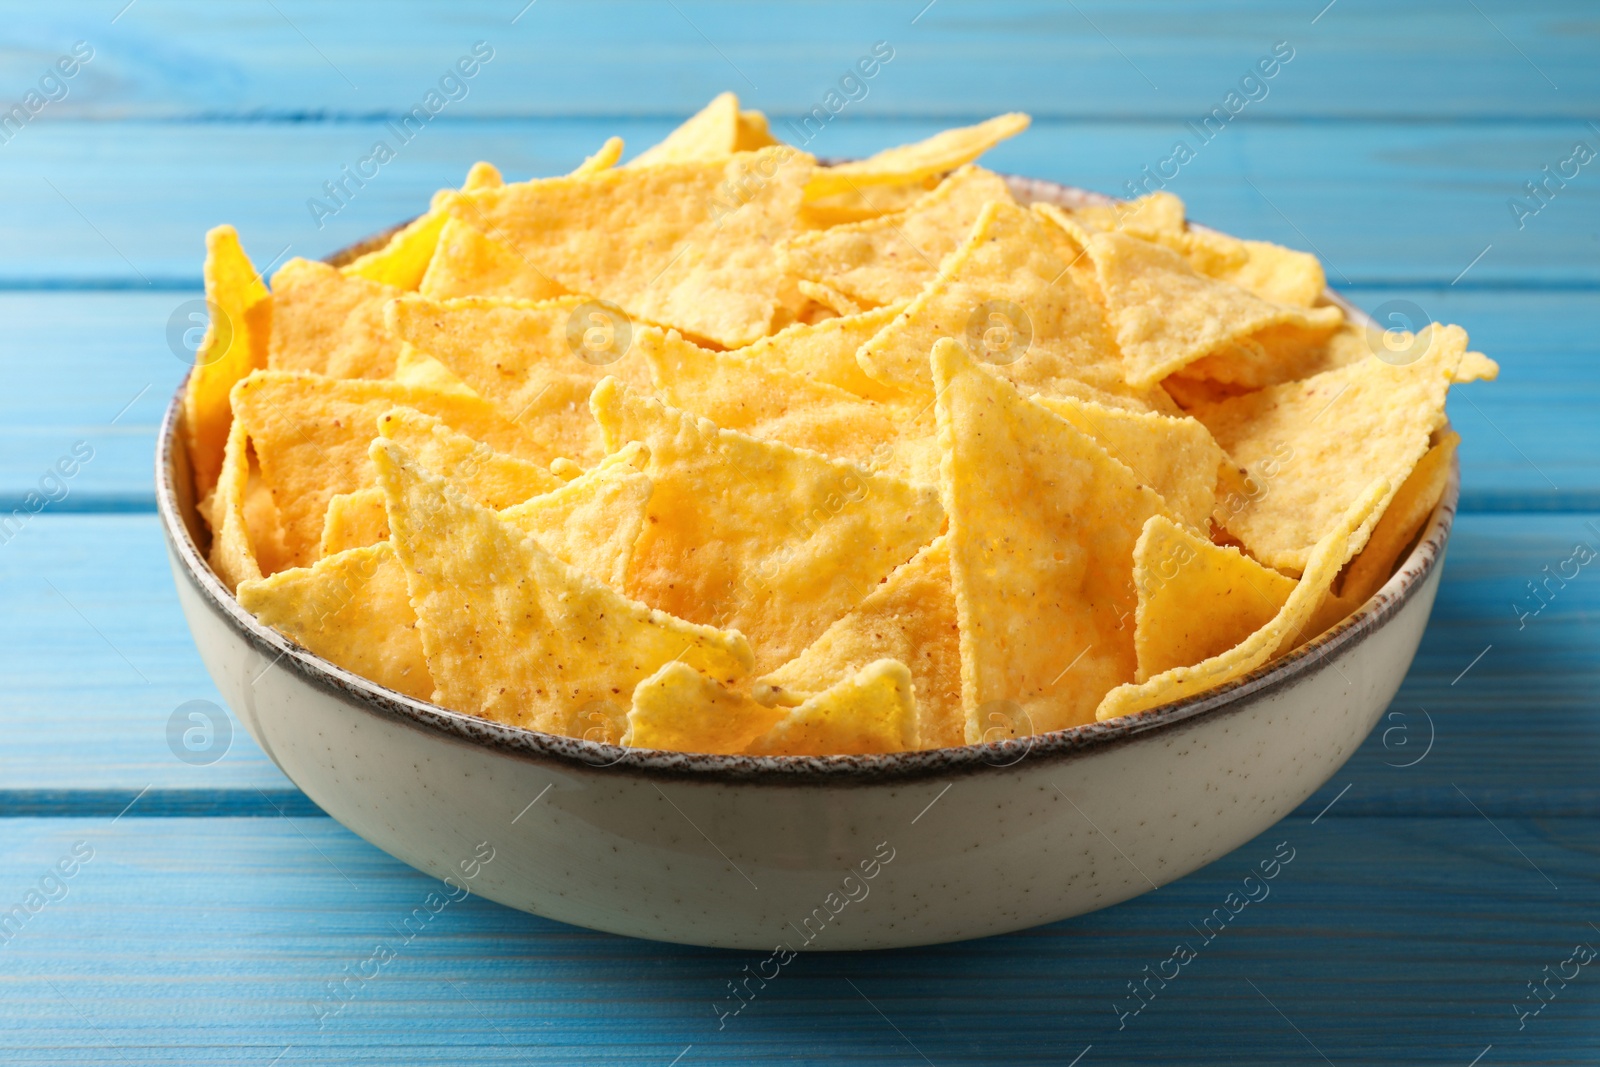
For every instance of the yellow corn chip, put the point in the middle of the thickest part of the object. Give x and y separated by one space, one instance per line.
422 370
402 261
593 521
310 435
1006 295
704 267
890 258
536 363
1150 217
1322 566
911 618
754 133
1400 524
1177 457
710 135
1196 599
512 633
232 556
859 203
870 711
940 153
774 541
235 343
825 352
1277 274
352 609
353 520
330 323
1042 527
1313 446
829 298
493 479
602 160
679 709
468 263
1167 316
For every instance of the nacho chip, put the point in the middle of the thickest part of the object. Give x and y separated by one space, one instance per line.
492 478
938 154
1177 457
401 262
679 709
1005 294
754 132
1196 599
531 361
330 323
310 434
710 135
593 521
890 258
1313 446
232 557
512 633
352 609
1166 315
754 535
825 352
704 267
353 520
1151 218
860 203
1322 566
235 343
872 710
423 371
827 297
1042 528
911 618
469 263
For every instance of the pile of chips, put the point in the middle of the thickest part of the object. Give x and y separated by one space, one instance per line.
723 451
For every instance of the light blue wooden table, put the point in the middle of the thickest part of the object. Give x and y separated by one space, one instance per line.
1452 863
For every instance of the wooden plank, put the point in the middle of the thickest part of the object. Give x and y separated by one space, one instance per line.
97 665
957 59
1383 203
1404 940
70 361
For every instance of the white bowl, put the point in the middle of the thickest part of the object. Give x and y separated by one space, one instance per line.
794 853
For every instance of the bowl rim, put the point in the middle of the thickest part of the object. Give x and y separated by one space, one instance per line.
581 754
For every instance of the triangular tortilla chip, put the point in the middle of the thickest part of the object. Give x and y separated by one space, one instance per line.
870 711
754 132
235 343
1167 316
1150 217
328 322
1196 599
1313 446
593 521
828 297
826 351
402 261
1005 294
353 520
1322 566
492 478
681 710
923 159
911 618
705 267
512 633
1177 457
708 136
754 535
232 556
1042 527
468 263
310 435
889 259
863 202
528 360
422 370
352 609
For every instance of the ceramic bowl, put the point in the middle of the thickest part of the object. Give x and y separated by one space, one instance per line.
792 853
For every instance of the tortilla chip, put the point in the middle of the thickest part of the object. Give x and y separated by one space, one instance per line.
1196 599
310 435
1167 316
353 520
754 535
512 633
232 558
825 352
330 323
1322 566
401 262
1177 457
1005 293
829 298
1152 218
911 618
872 710
468 263
1042 528
889 259
352 609
681 710
859 203
705 267
235 343
493 479
906 163
423 371
710 135
528 360
1313 446
754 132
593 521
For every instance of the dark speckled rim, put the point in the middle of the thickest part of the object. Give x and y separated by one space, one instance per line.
580 755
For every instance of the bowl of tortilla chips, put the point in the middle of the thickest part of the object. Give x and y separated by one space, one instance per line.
747 551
